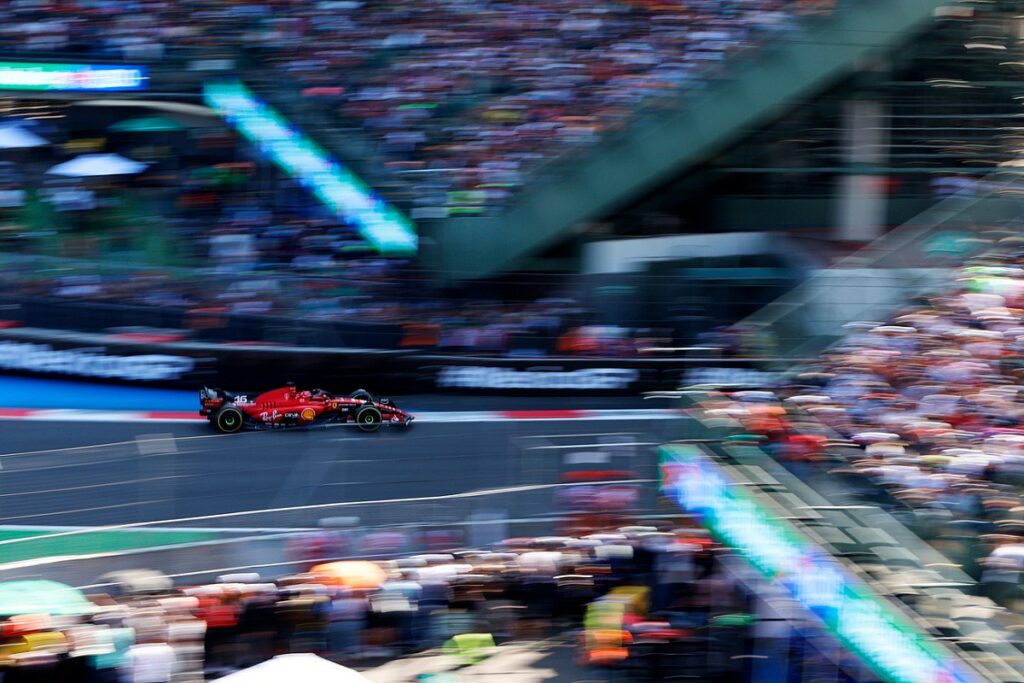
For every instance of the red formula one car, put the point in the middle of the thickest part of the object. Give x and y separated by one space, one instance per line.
288 407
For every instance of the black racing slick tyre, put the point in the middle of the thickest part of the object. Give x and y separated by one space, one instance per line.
368 419
228 420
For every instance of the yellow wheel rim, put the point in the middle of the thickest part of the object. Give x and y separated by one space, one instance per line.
229 420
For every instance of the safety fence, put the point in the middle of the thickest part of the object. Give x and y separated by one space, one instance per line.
269 552
911 260
861 575
136 359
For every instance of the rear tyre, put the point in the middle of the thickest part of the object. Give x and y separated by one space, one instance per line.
228 420
368 419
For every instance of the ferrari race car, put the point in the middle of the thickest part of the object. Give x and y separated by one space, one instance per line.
288 407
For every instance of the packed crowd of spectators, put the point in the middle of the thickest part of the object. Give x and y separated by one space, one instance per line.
468 99
624 593
933 402
257 245
461 98
551 326
464 98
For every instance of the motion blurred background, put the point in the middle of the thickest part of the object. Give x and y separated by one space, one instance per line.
709 311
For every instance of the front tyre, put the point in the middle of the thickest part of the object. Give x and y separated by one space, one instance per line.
368 419
228 420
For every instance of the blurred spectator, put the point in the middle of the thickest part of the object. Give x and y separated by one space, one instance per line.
467 601
465 99
933 402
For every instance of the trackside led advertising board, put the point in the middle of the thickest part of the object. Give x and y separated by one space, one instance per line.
72 77
865 623
381 224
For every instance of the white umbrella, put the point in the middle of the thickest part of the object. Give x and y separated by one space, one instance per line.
16 137
304 667
97 165
541 559
871 437
140 580
809 398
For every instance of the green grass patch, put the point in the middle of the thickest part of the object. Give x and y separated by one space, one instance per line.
33 544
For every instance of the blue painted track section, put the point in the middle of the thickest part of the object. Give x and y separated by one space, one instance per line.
30 392
18 391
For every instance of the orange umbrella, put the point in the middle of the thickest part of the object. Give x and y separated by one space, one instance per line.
351 574
766 410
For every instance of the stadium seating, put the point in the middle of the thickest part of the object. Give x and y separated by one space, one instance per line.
620 168
504 125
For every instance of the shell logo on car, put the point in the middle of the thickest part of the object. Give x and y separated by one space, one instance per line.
307 414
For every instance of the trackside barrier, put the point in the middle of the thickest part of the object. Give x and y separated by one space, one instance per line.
278 554
190 364
910 260
886 636
863 539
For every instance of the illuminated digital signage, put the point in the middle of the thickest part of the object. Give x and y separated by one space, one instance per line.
883 638
379 223
72 77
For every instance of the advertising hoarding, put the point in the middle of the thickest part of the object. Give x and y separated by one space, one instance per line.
38 76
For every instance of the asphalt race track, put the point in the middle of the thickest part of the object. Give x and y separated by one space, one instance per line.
85 474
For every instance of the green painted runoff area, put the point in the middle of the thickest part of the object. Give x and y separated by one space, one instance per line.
32 542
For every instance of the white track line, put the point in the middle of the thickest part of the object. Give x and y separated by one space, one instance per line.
478 493
125 482
111 444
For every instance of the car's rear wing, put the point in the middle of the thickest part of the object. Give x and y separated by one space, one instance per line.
208 394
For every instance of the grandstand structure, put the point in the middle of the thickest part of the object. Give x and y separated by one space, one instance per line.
666 142
832 122
713 153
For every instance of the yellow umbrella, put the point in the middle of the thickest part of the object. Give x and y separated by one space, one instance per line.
351 574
